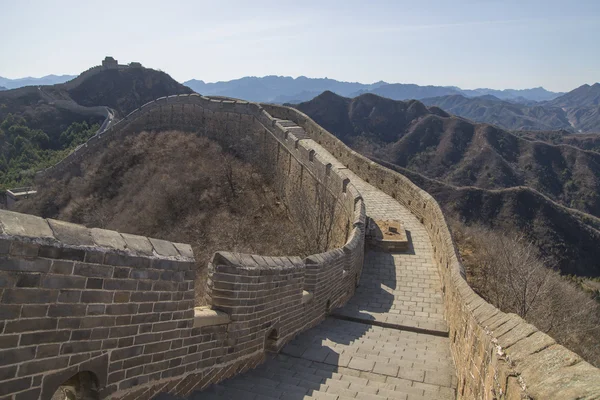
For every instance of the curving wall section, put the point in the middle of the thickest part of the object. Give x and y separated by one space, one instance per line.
497 355
121 307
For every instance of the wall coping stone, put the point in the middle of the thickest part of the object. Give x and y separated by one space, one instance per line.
206 316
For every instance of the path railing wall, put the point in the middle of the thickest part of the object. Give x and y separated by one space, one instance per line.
120 307
497 355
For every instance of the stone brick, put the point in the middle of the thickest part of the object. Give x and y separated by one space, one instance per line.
95 309
121 272
16 356
122 260
24 249
164 248
7 373
120 284
29 296
34 311
25 280
16 224
8 341
106 238
94 257
69 296
67 310
63 282
63 253
32 324
120 309
18 264
36 338
15 385
61 267
35 367
95 322
95 283
93 270
47 350
71 234
96 296
138 244
29 394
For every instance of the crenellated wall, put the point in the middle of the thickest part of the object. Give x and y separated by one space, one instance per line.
497 355
121 307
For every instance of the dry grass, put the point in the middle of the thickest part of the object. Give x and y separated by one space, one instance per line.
508 272
179 187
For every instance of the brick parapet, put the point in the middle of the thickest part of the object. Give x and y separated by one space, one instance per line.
497 355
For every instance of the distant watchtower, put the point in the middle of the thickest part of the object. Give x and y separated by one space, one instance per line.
110 63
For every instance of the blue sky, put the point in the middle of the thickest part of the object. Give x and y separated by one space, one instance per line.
466 43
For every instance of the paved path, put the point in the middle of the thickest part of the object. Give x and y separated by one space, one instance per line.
388 342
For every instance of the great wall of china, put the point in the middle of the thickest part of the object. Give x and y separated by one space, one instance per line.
117 311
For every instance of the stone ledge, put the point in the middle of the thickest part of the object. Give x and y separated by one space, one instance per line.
307 296
206 316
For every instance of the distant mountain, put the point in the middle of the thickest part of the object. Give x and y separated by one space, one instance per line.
480 172
515 95
285 89
492 110
583 96
582 106
270 88
3 88
29 81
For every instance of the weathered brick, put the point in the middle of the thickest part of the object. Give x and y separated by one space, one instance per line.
94 257
34 311
121 331
47 350
120 309
122 297
150 274
129 352
19 264
69 323
120 284
24 249
84 346
81 334
29 394
29 296
141 297
15 385
144 286
100 333
122 260
121 272
95 309
94 283
35 367
62 253
44 337
25 280
8 341
15 356
7 373
66 310
4 246
96 296
63 282
62 267
147 338
93 270
94 322
33 324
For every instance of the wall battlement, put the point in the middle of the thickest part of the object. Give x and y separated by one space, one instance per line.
120 307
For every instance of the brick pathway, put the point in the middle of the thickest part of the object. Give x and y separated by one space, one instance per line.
388 342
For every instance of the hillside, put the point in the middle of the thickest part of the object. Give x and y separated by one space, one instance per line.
137 186
584 141
512 116
39 124
126 89
478 159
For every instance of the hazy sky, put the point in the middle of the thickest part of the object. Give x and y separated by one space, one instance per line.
466 43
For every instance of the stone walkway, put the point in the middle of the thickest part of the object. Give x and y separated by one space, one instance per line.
388 342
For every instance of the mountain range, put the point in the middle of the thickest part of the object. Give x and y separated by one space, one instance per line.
29 81
478 172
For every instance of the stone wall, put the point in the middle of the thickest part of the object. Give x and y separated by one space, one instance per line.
120 307
497 355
